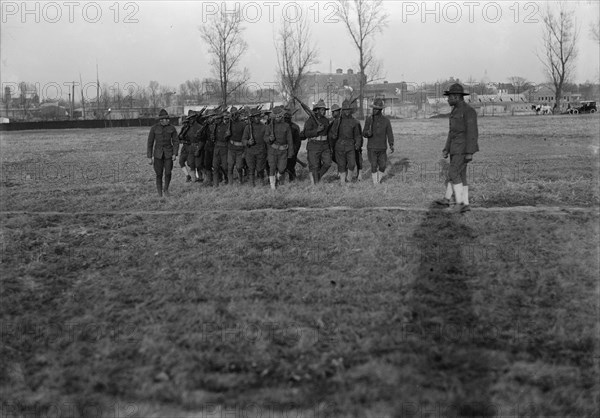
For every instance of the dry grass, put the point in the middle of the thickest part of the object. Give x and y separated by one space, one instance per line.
342 313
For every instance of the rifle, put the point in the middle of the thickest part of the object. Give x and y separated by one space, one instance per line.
307 109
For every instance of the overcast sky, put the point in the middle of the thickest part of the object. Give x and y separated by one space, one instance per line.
139 41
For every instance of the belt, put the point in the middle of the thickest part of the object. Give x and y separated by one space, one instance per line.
237 143
280 147
318 138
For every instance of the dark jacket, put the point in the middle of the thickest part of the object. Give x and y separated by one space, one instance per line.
162 142
380 130
237 131
295 136
311 129
350 132
463 134
258 133
220 139
283 136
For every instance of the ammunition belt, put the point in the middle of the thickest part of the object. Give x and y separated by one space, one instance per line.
279 147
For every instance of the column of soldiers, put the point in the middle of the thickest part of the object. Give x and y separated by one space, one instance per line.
218 144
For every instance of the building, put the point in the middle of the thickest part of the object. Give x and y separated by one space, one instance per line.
545 95
331 87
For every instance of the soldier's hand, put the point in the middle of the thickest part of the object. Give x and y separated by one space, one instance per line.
174 158
445 154
391 150
468 157
150 160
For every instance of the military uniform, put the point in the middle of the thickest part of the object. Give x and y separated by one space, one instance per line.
334 127
378 130
220 154
348 142
280 147
461 144
235 155
317 148
190 148
291 163
162 146
256 148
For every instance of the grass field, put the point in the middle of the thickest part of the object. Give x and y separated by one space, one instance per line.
355 301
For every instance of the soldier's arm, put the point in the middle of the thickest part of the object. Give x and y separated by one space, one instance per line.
290 141
358 138
150 143
472 134
390 134
246 135
175 141
310 128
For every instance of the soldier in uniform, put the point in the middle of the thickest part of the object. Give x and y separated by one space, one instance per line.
291 164
235 154
220 154
207 137
378 130
256 147
280 147
317 147
162 149
461 144
349 140
186 155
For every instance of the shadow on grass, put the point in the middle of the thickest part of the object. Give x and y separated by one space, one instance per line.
456 368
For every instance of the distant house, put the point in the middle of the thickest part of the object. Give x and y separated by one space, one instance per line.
545 95
331 87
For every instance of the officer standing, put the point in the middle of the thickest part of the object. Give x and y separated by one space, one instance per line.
162 149
378 130
348 142
317 147
461 144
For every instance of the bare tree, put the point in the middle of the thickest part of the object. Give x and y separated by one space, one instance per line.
363 19
153 87
519 83
560 49
223 34
295 53
195 88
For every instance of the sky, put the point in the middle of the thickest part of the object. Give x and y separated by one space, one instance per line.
52 44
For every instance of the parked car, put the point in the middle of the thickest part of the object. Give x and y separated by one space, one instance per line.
587 106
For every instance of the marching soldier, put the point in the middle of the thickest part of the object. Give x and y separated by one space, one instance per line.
220 154
207 137
291 163
334 127
349 140
186 156
281 146
317 147
162 149
235 156
256 147
461 144
378 130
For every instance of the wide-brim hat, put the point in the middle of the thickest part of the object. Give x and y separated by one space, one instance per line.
377 104
163 114
278 111
191 113
320 105
255 112
456 88
335 107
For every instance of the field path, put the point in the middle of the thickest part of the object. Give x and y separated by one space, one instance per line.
552 210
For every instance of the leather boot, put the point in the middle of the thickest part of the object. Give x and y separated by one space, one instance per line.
253 179
343 179
240 172
159 187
